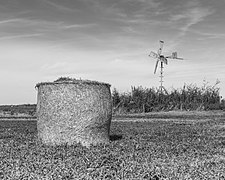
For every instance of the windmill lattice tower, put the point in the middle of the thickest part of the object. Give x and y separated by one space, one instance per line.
163 60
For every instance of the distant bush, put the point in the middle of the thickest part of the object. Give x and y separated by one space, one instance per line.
189 97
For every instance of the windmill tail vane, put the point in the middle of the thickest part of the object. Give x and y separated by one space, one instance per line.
174 56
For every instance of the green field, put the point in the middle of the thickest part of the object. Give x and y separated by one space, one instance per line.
143 146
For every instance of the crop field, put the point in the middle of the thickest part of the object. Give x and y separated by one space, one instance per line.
141 147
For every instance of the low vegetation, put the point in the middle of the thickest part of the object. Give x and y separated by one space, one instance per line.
29 109
151 149
190 97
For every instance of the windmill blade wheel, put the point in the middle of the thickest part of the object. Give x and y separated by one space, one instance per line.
156 65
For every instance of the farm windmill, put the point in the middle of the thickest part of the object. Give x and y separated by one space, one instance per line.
163 60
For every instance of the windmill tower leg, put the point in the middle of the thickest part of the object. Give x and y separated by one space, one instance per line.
161 78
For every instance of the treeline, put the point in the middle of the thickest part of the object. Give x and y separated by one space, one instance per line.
189 97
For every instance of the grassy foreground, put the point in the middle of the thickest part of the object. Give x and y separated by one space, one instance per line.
159 149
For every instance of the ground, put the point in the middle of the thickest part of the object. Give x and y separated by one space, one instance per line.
174 145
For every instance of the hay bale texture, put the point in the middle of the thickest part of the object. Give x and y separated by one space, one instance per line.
73 111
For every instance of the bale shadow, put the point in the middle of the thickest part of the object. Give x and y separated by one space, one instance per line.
115 137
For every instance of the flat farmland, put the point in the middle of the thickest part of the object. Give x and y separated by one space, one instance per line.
174 145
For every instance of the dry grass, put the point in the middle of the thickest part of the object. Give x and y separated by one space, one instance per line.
138 150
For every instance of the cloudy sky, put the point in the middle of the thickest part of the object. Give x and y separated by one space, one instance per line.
109 41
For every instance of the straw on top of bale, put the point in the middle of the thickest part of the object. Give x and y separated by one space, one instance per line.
71 110
66 80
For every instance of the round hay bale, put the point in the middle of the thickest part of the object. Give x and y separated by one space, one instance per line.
73 111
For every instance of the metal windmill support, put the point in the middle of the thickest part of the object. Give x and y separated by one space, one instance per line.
161 78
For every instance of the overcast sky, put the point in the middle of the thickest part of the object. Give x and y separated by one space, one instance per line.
109 41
